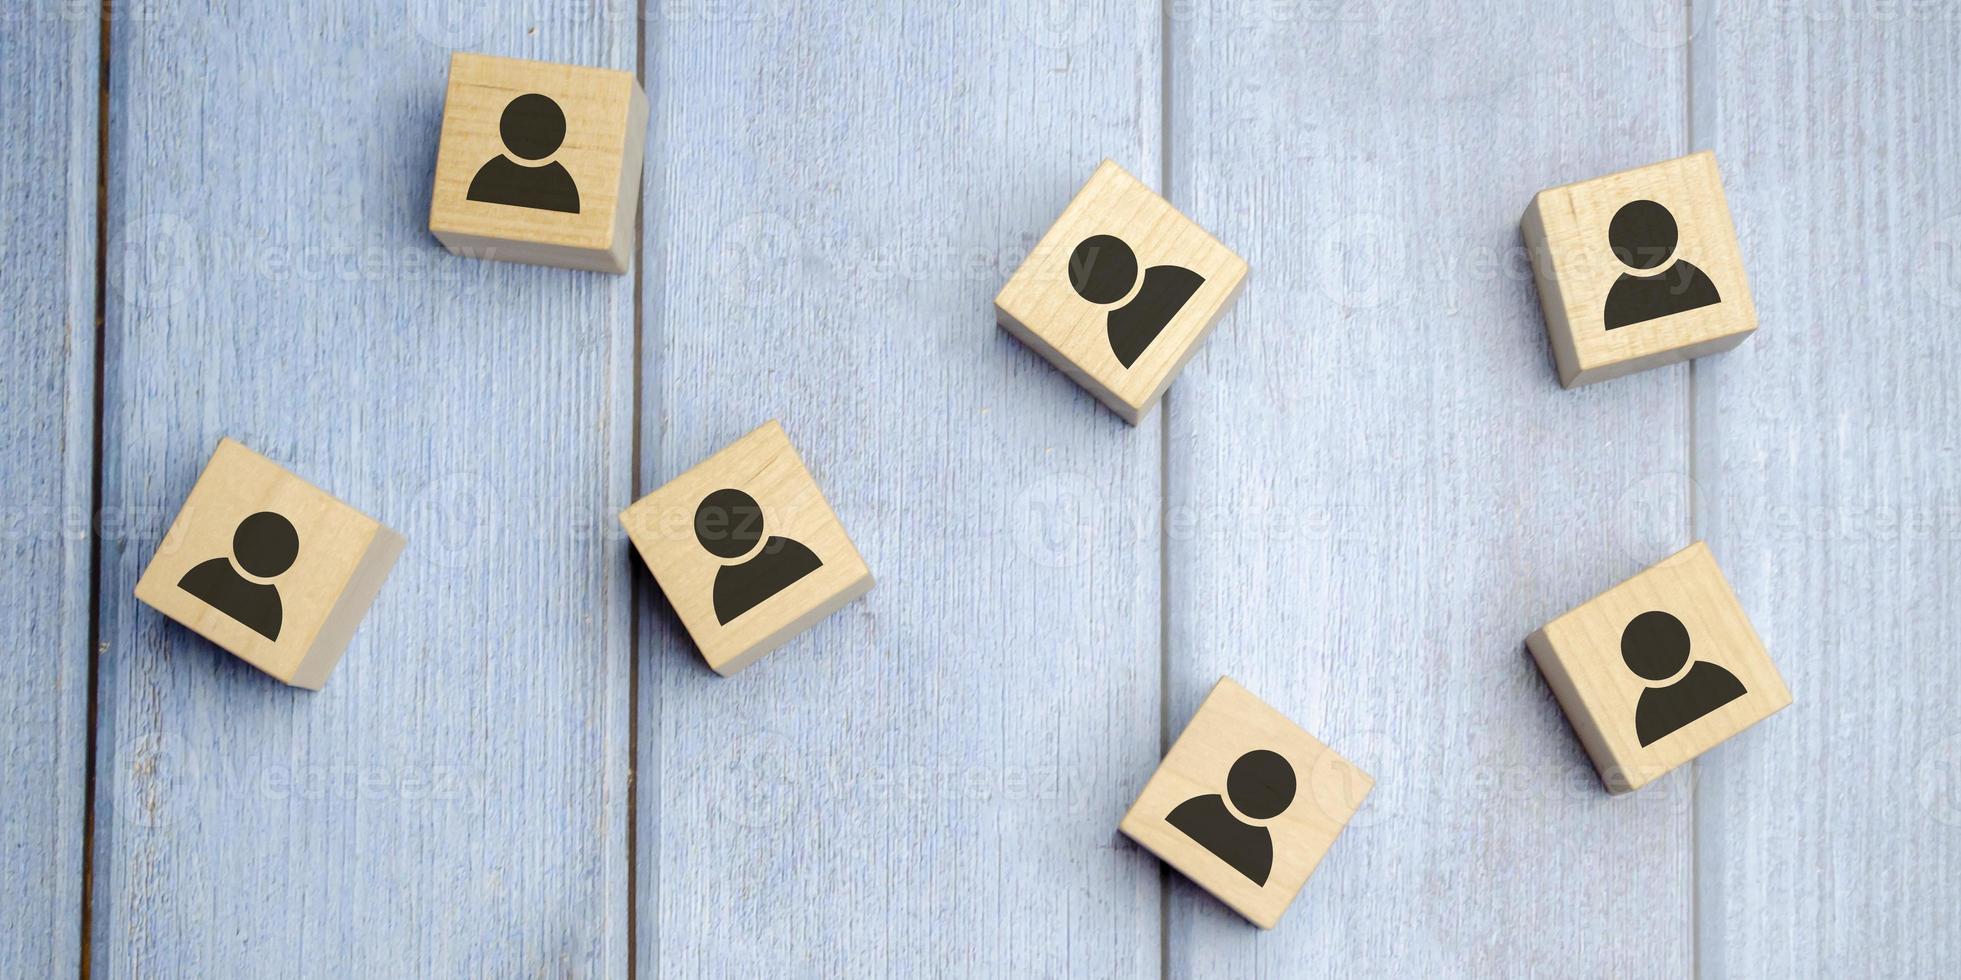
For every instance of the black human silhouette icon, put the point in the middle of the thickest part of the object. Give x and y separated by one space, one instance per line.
1104 270
1643 236
1655 645
533 127
1261 785
729 523
264 546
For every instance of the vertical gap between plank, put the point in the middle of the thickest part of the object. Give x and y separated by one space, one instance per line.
633 588
648 424
1695 770
84 936
1164 496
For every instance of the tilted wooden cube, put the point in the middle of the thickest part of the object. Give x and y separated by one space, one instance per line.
269 567
1638 269
747 550
1658 669
539 163
1246 803
1120 292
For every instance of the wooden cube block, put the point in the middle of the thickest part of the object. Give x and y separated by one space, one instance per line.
539 163
269 566
1120 292
1246 803
1638 269
1658 669
747 550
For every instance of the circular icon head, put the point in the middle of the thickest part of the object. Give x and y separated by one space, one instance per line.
1643 234
1261 784
265 544
728 523
1655 645
533 126
1102 269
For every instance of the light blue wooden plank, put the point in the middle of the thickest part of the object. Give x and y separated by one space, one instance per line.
1384 489
930 781
49 66
1828 457
454 802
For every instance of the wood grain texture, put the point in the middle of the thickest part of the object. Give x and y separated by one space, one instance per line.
1678 619
1375 487
603 123
49 66
340 557
930 780
1151 258
1579 273
1378 488
726 600
455 802
1238 758
1828 464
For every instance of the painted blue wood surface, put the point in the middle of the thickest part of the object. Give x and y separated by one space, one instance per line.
1361 496
1389 489
454 802
1828 480
49 66
930 781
